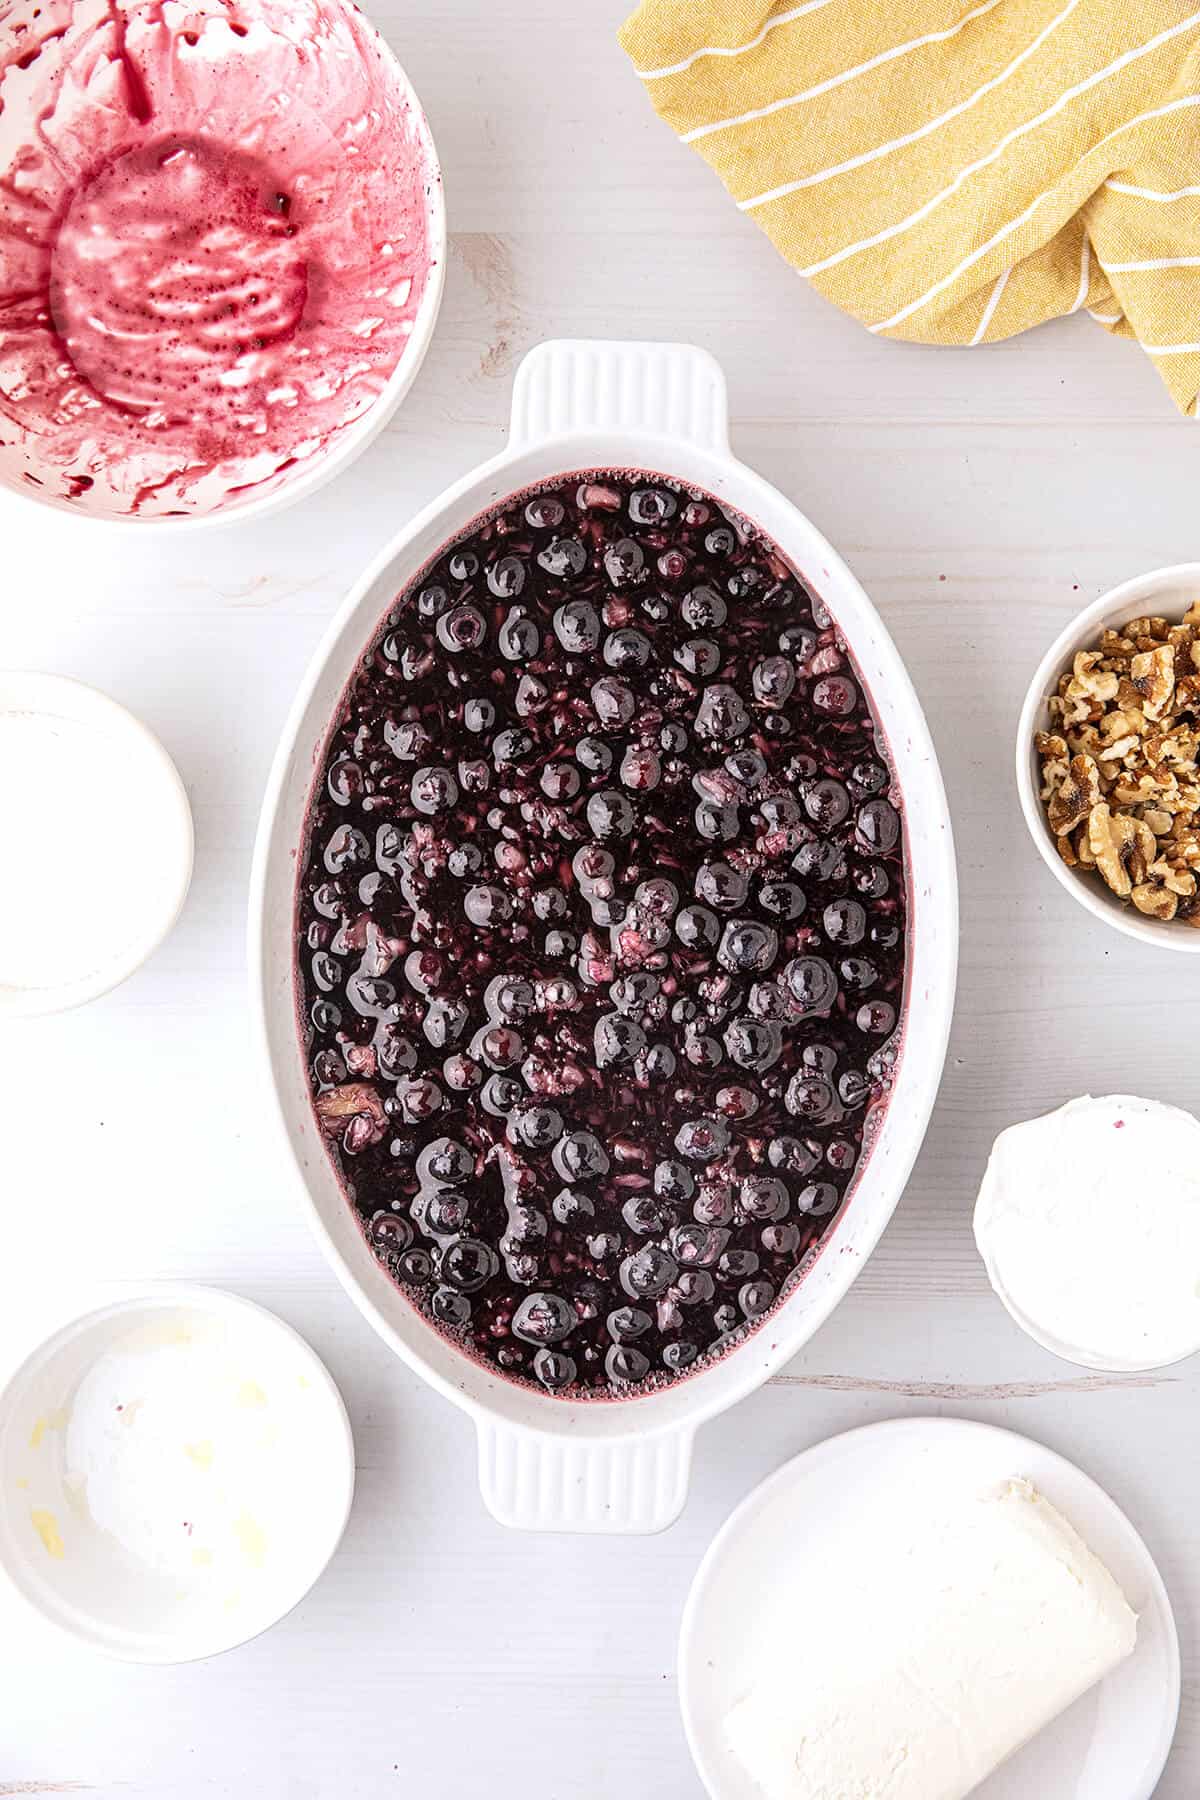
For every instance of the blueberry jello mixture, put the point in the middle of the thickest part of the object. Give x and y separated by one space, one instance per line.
601 924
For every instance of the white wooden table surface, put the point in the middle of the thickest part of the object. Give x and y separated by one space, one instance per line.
982 497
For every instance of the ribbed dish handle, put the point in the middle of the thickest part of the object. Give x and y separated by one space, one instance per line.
590 384
534 1481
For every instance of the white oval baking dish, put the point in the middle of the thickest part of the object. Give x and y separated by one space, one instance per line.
620 1465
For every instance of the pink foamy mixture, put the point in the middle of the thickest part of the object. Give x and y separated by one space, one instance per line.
214 242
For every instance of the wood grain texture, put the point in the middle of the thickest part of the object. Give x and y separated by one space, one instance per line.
982 497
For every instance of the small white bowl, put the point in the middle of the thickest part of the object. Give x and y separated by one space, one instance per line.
164 820
145 1608
1164 592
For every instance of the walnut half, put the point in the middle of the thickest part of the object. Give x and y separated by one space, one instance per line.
1123 847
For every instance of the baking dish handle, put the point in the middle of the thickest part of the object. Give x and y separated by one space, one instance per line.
538 1481
590 384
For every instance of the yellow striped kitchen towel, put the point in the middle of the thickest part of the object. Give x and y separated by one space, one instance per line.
954 173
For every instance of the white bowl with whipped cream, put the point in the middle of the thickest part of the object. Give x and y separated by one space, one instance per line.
1088 1220
95 839
176 1470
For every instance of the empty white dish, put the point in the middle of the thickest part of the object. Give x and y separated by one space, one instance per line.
1111 1744
95 820
176 1470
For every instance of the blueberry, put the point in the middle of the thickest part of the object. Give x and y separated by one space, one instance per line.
617 1040
468 1264
876 1018
579 1156
858 974
613 702
648 1273
835 695
747 766
701 1049
702 1140
737 1264
609 814
674 1180
623 561
325 972
500 1094
540 1127
651 506
464 860
754 1043
451 1307
798 641
511 746
827 803
696 926
571 1205
627 649
416 1267
463 628
812 983
519 638
719 824
407 739
544 1318
720 541
755 1298
719 884
420 1097
544 512
506 577
395 1053
747 947
487 906
592 863
773 680
820 861
878 826
347 849
783 898
625 1323
560 781
845 922
577 626
854 1088
698 1246
644 1215
698 656
554 1369
819 1200
703 608
594 755
623 1365
694 1287
673 737
871 881
811 1098
658 897
433 790
463 565
660 1062
549 903
819 1059
445 1160
764 1198
390 1233
679 1354
780 1240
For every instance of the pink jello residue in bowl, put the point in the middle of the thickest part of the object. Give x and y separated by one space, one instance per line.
219 227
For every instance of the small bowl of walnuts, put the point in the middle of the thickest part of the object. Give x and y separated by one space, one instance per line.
1108 758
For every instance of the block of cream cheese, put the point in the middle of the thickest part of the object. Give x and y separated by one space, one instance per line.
932 1656
1089 1222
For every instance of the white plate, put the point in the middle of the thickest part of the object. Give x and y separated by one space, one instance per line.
1111 1745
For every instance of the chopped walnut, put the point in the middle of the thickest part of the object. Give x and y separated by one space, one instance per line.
1076 797
1120 764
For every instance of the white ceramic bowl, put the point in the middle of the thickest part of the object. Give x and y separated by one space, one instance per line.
151 781
258 87
618 1465
1167 593
85 1580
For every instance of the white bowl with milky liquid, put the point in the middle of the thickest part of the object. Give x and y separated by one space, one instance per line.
96 844
176 1470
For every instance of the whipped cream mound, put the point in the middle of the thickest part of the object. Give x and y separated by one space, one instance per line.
931 1657
1089 1223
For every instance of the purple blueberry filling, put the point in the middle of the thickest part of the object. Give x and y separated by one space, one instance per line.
601 933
